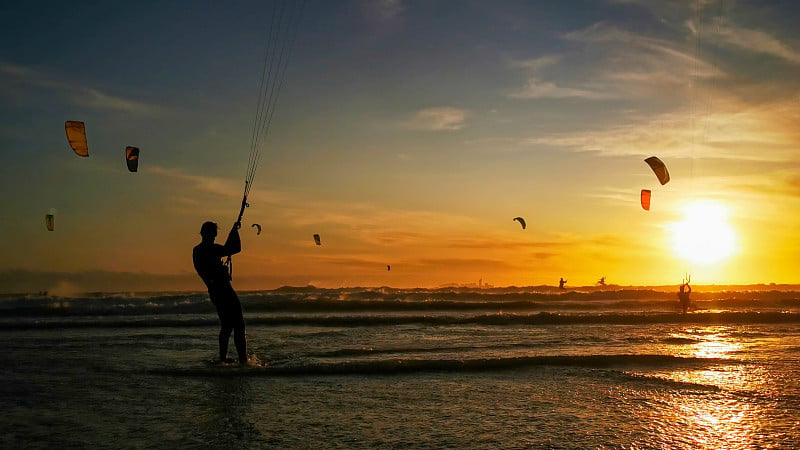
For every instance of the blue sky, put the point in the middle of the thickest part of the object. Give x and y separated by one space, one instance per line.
408 133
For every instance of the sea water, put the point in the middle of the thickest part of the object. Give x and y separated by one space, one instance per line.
404 368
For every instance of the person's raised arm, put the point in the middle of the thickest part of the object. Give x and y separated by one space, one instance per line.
233 244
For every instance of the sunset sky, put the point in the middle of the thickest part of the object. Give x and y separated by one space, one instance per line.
407 133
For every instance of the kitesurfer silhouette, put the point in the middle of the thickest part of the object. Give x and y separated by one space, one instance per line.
207 257
683 296
561 283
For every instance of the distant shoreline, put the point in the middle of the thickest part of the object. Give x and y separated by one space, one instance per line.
619 290
17 282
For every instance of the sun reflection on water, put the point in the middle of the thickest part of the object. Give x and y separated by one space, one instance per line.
718 418
719 343
716 346
719 422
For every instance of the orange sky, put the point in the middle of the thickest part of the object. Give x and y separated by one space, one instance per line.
409 139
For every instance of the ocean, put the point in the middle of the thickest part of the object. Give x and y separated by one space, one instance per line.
507 368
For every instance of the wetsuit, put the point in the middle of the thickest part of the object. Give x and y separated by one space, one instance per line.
207 257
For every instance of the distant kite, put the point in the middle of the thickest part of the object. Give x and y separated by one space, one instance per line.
76 135
132 158
521 221
258 228
317 240
645 198
50 220
659 168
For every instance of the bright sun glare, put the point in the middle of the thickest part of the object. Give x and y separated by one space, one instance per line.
704 236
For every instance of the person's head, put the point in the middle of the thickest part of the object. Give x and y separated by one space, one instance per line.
208 230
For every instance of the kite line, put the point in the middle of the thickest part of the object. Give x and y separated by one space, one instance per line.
281 36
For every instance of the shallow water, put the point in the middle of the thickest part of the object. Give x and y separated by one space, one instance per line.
470 379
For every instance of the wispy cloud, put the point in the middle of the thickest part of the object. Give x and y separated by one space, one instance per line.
77 94
536 64
364 222
373 224
536 88
438 119
712 123
751 40
644 59
788 185
603 32
719 30
204 184
98 100
732 130
636 66
485 242
217 195
673 8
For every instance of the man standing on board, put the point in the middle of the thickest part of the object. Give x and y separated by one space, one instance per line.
207 257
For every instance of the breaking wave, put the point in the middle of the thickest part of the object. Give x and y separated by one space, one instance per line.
385 306
405 366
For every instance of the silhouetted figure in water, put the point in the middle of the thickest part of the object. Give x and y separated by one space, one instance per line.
207 257
601 281
561 283
683 296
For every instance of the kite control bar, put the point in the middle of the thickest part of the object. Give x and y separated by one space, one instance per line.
229 261
241 211
238 224
244 205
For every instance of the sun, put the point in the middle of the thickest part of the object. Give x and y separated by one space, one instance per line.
704 236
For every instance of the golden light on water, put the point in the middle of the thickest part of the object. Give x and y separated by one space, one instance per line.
704 236
714 419
716 346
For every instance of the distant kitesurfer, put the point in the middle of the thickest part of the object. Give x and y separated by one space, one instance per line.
207 257
601 281
561 283
683 296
